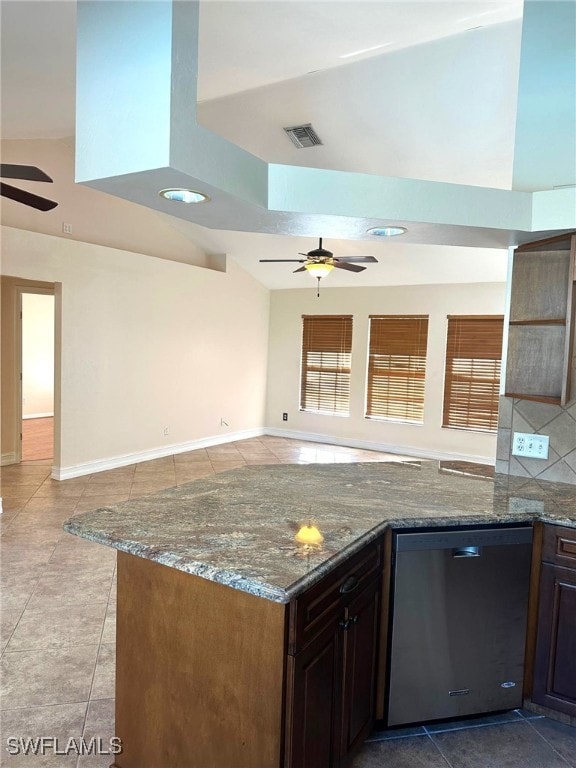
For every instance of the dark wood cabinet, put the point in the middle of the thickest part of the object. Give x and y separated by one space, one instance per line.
554 684
541 353
332 671
360 650
313 688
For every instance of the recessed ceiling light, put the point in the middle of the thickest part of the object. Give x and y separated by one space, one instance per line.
386 231
184 195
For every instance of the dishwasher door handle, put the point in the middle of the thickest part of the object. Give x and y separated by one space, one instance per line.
466 552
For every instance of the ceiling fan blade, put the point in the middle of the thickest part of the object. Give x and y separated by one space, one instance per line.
358 259
349 267
270 261
300 269
27 198
23 172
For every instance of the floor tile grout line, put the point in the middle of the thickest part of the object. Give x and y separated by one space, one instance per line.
54 647
12 633
45 706
93 676
549 743
473 726
448 763
96 662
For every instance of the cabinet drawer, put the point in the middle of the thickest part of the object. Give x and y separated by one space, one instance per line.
325 601
559 545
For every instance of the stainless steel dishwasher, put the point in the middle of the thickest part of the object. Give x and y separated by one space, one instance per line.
459 611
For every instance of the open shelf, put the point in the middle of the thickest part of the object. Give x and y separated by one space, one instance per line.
555 321
537 398
540 358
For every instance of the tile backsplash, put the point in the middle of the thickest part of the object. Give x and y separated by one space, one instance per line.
529 416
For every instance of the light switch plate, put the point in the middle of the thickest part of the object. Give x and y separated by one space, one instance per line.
533 446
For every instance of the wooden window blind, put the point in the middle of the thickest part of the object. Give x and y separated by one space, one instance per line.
472 378
397 367
326 358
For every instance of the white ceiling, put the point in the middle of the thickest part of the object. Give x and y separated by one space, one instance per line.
243 45
255 68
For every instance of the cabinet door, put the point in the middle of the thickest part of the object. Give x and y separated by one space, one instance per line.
555 664
359 668
313 695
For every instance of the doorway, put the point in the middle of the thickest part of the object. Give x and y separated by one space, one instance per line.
30 364
37 387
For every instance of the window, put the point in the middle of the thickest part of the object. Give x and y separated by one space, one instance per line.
397 367
472 380
326 356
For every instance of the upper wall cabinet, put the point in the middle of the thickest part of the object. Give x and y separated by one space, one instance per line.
541 352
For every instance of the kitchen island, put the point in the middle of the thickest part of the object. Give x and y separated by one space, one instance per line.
230 632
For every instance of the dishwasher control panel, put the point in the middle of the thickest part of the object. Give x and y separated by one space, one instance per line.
466 537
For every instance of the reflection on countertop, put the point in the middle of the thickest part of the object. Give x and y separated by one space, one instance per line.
238 527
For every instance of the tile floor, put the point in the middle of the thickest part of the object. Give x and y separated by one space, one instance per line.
58 621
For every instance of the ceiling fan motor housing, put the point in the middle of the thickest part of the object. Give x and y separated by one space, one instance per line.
319 254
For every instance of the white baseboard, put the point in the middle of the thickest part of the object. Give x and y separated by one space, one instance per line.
101 465
368 445
8 458
38 416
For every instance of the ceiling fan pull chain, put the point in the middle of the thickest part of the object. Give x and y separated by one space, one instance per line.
318 291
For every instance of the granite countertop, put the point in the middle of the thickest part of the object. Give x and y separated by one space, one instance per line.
237 528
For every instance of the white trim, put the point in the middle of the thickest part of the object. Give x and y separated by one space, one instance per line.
368 445
101 465
9 458
38 416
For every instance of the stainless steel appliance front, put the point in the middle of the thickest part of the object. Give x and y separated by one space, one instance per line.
460 601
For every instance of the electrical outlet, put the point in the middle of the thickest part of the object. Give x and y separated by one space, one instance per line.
284 417
532 446
66 228
166 430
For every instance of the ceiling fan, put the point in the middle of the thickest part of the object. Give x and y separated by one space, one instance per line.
320 262
25 173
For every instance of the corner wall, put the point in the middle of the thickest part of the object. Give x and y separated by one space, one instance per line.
147 344
437 301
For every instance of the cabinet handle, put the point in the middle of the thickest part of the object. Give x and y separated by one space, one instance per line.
349 585
343 624
466 552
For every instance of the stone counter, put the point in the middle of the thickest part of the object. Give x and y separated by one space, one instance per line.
237 528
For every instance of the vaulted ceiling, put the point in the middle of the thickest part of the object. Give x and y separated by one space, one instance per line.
424 90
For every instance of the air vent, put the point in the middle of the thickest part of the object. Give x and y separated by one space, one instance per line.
303 136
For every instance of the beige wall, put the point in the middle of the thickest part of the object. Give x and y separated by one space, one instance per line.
437 301
147 344
37 355
94 217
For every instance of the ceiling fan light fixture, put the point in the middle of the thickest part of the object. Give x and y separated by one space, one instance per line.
386 231
319 268
181 195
